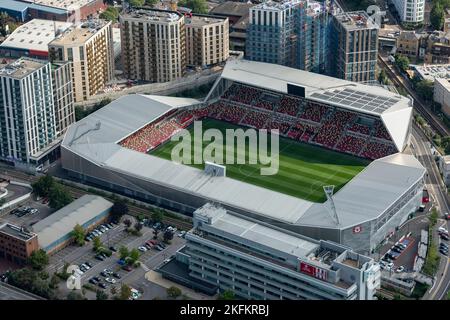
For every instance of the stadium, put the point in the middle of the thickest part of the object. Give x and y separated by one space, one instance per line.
332 132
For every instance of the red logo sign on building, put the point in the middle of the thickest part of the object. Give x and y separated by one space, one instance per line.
313 271
357 229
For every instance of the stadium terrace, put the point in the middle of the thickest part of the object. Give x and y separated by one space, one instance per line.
364 129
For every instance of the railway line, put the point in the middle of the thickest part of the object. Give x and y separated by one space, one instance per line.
432 119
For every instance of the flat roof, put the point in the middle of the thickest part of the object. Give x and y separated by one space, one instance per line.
21 68
433 71
203 20
231 8
16 232
62 4
256 232
79 34
13 5
34 35
62 222
153 15
356 20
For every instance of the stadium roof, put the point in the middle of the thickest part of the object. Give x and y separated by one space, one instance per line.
375 188
13 5
62 222
394 109
34 35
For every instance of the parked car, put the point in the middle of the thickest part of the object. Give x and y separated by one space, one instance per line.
442 244
142 249
102 285
444 237
109 225
110 280
99 257
447 216
401 245
93 281
121 262
400 269
159 248
113 249
127 268
104 274
34 211
116 275
84 265
443 251
89 264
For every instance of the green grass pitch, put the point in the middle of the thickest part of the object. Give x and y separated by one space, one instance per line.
303 169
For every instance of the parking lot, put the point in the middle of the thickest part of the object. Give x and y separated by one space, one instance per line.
109 268
27 218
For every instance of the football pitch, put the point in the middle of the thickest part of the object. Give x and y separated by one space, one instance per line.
303 169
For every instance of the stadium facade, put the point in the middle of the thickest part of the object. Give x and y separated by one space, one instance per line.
361 215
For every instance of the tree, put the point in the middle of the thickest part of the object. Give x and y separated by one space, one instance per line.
437 16
155 233
173 292
227 295
118 210
382 77
97 243
123 252
59 197
425 89
43 186
138 226
151 3
78 234
54 281
136 3
402 62
28 280
197 6
110 14
5 20
101 295
125 292
158 215
134 255
38 259
168 235
127 222
73 295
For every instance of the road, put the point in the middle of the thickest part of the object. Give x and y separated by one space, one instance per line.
435 187
8 292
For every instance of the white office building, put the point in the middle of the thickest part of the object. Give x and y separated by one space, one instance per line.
410 11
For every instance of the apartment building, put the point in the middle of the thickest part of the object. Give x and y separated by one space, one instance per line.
408 44
27 113
63 96
16 243
410 11
438 48
89 46
441 94
354 47
207 40
153 45
259 261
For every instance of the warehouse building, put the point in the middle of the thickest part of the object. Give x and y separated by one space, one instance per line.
54 232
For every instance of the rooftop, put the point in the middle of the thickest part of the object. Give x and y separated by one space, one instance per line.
62 222
16 232
13 5
276 6
202 20
153 15
21 68
433 71
61 4
231 8
35 35
356 20
79 34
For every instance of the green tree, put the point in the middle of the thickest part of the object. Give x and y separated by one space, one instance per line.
382 77
402 62
43 186
97 243
110 14
73 295
5 20
123 252
38 259
125 292
227 295
197 6
54 281
136 3
29 280
118 210
134 255
167 236
173 292
425 89
101 295
158 215
138 226
437 16
151 3
78 234
59 197
433 217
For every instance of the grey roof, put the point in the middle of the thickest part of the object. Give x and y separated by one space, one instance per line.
13 5
375 188
231 8
257 233
62 222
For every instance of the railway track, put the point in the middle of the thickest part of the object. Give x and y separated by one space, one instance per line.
434 122
77 193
